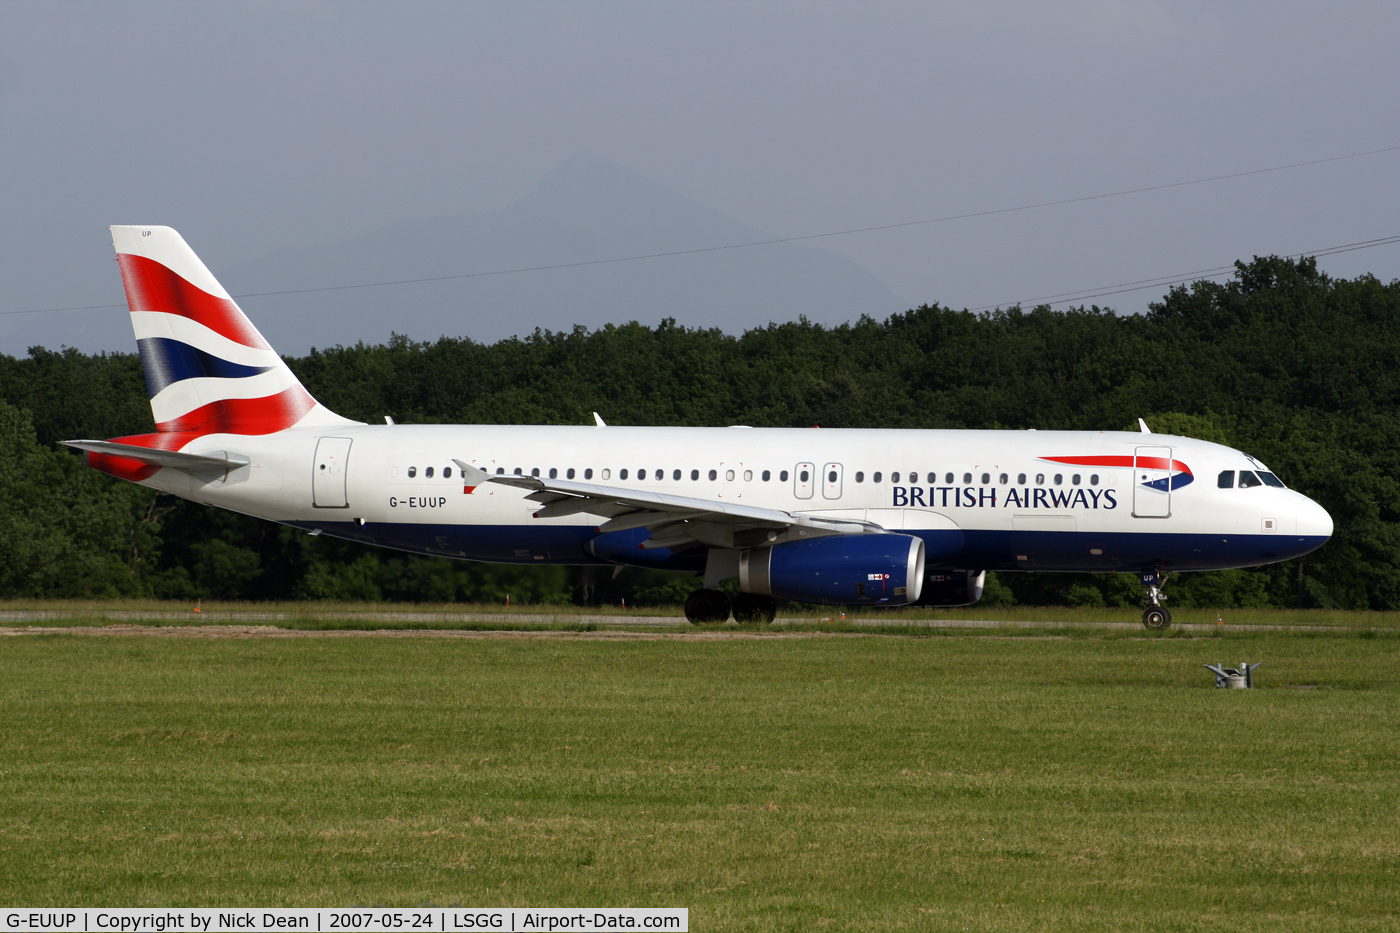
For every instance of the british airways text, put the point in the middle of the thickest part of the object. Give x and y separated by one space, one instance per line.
983 497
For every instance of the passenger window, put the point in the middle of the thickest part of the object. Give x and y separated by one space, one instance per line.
641 475
831 477
428 472
1020 479
588 473
412 472
553 473
1248 479
894 477
803 476
519 472
569 474
986 478
533 472
1093 479
729 476
860 477
500 471
967 479
1040 479
947 477
714 475
694 474
766 475
1271 480
748 476
875 478
660 474
447 472
676 475
1074 480
1003 478
1059 479
622 474
1226 479
606 474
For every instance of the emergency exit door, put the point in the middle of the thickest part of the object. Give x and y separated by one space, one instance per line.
328 476
831 480
804 480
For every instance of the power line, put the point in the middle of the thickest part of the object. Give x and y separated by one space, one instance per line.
772 241
1179 278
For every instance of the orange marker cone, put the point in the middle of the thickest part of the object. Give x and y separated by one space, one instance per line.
196 606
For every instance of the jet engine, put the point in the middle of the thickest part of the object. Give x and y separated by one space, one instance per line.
952 587
858 570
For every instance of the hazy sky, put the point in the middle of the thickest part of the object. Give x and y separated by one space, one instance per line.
252 127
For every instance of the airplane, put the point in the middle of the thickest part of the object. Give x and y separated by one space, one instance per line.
858 517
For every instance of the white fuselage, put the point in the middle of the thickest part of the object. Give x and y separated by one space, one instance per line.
979 499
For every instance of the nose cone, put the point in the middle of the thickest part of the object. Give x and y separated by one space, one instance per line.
1313 520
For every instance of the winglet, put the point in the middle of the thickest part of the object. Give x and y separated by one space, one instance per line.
1143 425
599 418
472 477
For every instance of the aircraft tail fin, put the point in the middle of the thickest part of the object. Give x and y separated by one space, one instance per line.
208 370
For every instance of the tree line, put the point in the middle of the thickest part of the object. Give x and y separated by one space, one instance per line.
1282 361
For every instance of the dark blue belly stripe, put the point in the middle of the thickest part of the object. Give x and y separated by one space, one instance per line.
1054 551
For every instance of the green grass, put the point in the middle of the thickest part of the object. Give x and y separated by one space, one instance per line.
305 608
335 615
767 783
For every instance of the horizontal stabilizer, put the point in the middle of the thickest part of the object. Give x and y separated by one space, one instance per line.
163 458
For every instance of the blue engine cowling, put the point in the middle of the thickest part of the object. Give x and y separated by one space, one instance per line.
859 570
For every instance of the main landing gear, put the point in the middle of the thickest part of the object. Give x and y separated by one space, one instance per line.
1156 616
708 607
753 608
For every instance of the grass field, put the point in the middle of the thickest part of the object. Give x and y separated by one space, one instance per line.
333 615
767 782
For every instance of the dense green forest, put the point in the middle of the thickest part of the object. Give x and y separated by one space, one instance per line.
1284 362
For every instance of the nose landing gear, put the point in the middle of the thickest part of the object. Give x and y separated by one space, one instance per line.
1155 617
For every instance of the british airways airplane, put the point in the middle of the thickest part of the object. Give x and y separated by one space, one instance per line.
843 516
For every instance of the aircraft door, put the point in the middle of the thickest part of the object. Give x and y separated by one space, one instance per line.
831 480
328 476
804 480
1152 477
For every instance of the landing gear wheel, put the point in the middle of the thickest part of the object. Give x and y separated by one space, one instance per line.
1157 618
705 607
753 608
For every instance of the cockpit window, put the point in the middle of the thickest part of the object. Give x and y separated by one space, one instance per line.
1226 480
1271 480
1248 479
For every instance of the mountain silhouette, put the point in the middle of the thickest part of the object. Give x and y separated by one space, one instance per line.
588 209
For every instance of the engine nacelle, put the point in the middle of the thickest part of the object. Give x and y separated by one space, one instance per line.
858 570
952 587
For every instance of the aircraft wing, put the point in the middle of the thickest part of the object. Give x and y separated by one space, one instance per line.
675 522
